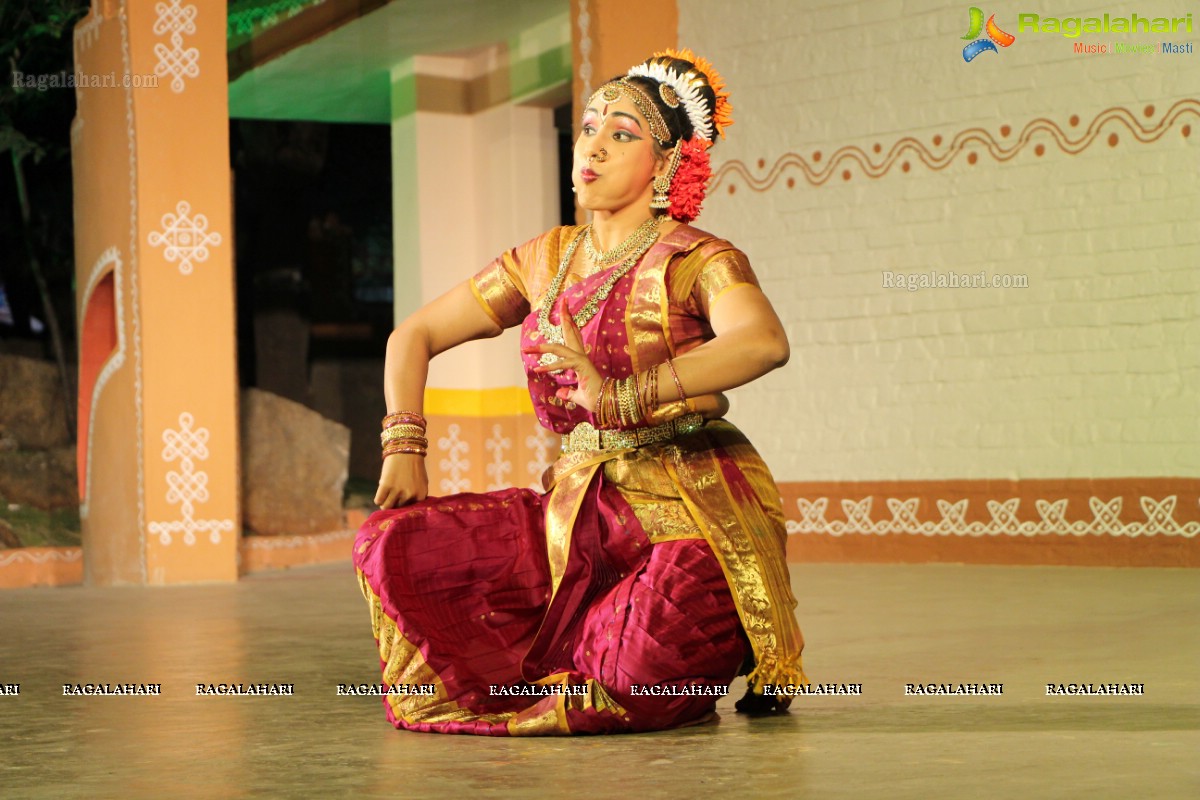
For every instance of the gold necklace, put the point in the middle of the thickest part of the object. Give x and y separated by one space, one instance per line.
620 251
553 333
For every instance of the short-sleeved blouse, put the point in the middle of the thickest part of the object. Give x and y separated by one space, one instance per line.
682 275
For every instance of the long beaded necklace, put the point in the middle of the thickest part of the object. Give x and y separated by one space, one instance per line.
642 240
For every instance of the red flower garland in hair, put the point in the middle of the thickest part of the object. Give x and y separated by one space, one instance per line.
690 182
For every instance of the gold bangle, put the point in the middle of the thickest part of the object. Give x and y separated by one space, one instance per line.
631 403
648 394
602 403
637 395
402 432
609 416
621 401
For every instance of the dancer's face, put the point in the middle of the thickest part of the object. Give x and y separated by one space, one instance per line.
615 157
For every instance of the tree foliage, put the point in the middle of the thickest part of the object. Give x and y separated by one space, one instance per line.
37 236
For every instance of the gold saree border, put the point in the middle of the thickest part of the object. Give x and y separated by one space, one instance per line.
562 509
549 716
403 664
751 553
748 539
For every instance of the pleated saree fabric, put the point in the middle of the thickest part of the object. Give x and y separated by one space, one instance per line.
629 593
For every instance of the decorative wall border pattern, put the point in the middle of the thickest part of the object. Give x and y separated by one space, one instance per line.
1002 148
297 541
1106 519
40 555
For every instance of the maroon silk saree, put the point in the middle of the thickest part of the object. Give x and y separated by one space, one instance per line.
629 594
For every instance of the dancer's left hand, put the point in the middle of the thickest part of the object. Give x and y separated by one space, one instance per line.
573 359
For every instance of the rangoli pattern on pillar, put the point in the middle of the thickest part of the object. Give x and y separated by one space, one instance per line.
540 442
176 60
455 464
500 466
186 238
188 486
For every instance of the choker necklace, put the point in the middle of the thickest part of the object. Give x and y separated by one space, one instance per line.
644 238
620 251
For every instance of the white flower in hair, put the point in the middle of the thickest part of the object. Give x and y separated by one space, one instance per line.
687 92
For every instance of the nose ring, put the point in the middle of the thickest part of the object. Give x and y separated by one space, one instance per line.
601 155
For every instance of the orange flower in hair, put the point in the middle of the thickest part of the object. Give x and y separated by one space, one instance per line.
722 115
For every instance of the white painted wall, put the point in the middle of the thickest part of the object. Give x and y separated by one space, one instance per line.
474 186
1091 371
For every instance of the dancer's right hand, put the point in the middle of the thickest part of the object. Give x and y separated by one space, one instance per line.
403 481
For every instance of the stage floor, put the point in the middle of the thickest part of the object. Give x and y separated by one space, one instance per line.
881 626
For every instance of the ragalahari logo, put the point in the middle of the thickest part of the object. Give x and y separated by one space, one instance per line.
995 36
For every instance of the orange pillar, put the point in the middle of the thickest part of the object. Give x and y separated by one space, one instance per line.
610 36
158 427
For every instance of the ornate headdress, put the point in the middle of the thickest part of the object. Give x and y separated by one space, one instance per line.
682 190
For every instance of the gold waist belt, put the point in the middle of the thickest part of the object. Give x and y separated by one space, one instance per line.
587 437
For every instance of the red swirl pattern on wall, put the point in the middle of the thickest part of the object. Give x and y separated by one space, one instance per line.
817 169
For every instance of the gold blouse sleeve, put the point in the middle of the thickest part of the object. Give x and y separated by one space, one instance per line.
708 272
500 286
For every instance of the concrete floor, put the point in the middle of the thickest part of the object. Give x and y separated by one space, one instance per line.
878 625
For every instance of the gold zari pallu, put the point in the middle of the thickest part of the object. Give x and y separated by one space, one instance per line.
737 512
587 437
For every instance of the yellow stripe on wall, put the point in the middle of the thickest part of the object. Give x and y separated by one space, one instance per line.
505 402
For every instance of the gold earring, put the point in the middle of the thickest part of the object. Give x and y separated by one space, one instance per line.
662 187
662 183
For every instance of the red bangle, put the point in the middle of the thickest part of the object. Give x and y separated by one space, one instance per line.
675 376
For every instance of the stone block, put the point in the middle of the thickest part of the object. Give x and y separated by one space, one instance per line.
44 479
294 467
8 537
31 407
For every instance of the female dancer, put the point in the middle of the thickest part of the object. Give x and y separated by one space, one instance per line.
651 572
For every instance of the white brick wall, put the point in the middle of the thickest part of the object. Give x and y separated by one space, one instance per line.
1092 371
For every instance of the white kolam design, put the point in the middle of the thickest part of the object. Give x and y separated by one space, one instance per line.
185 237
188 486
455 464
176 61
500 466
540 442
